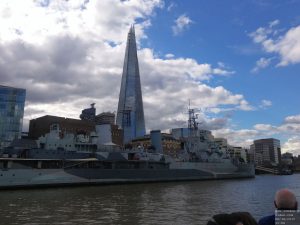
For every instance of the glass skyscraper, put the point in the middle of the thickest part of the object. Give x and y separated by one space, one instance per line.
12 101
130 115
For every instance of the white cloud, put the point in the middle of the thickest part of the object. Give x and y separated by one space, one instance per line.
292 145
261 63
292 119
221 71
264 127
169 55
72 56
32 23
244 105
265 104
174 81
221 65
290 125
274 23
181 24
171 6
287 46
243 137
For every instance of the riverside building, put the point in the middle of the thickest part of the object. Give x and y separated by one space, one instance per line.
266 151
41 125
88 114
12 101
105 118
167 143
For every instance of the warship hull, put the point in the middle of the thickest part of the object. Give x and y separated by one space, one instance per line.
71 176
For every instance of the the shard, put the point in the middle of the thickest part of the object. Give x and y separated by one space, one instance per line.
130 115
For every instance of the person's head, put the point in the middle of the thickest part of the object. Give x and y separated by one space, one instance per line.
285 199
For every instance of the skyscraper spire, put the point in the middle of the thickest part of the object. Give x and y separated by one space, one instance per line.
132 28
130 115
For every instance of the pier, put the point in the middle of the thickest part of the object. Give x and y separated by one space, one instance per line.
262 169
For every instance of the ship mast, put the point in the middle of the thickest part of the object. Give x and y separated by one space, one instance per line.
192 124
192 128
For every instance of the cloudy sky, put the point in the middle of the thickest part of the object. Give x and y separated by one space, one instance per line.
237 61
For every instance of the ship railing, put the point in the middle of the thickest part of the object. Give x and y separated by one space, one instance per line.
74 165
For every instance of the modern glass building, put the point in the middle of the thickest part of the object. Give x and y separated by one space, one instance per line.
130 115
267 151
12 101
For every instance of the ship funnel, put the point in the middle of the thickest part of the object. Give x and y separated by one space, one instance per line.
156 140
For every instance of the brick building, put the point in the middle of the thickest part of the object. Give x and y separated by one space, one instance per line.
41 126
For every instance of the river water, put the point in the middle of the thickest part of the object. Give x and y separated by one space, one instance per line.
153 203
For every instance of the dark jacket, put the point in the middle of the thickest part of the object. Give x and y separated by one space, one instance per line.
267 220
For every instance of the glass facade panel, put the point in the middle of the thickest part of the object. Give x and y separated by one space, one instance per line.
12 101
130 116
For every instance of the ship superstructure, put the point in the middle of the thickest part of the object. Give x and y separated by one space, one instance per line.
200 145
67 159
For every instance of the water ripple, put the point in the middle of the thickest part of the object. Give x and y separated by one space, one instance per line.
159 203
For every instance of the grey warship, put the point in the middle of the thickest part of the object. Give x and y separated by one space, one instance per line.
89 163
